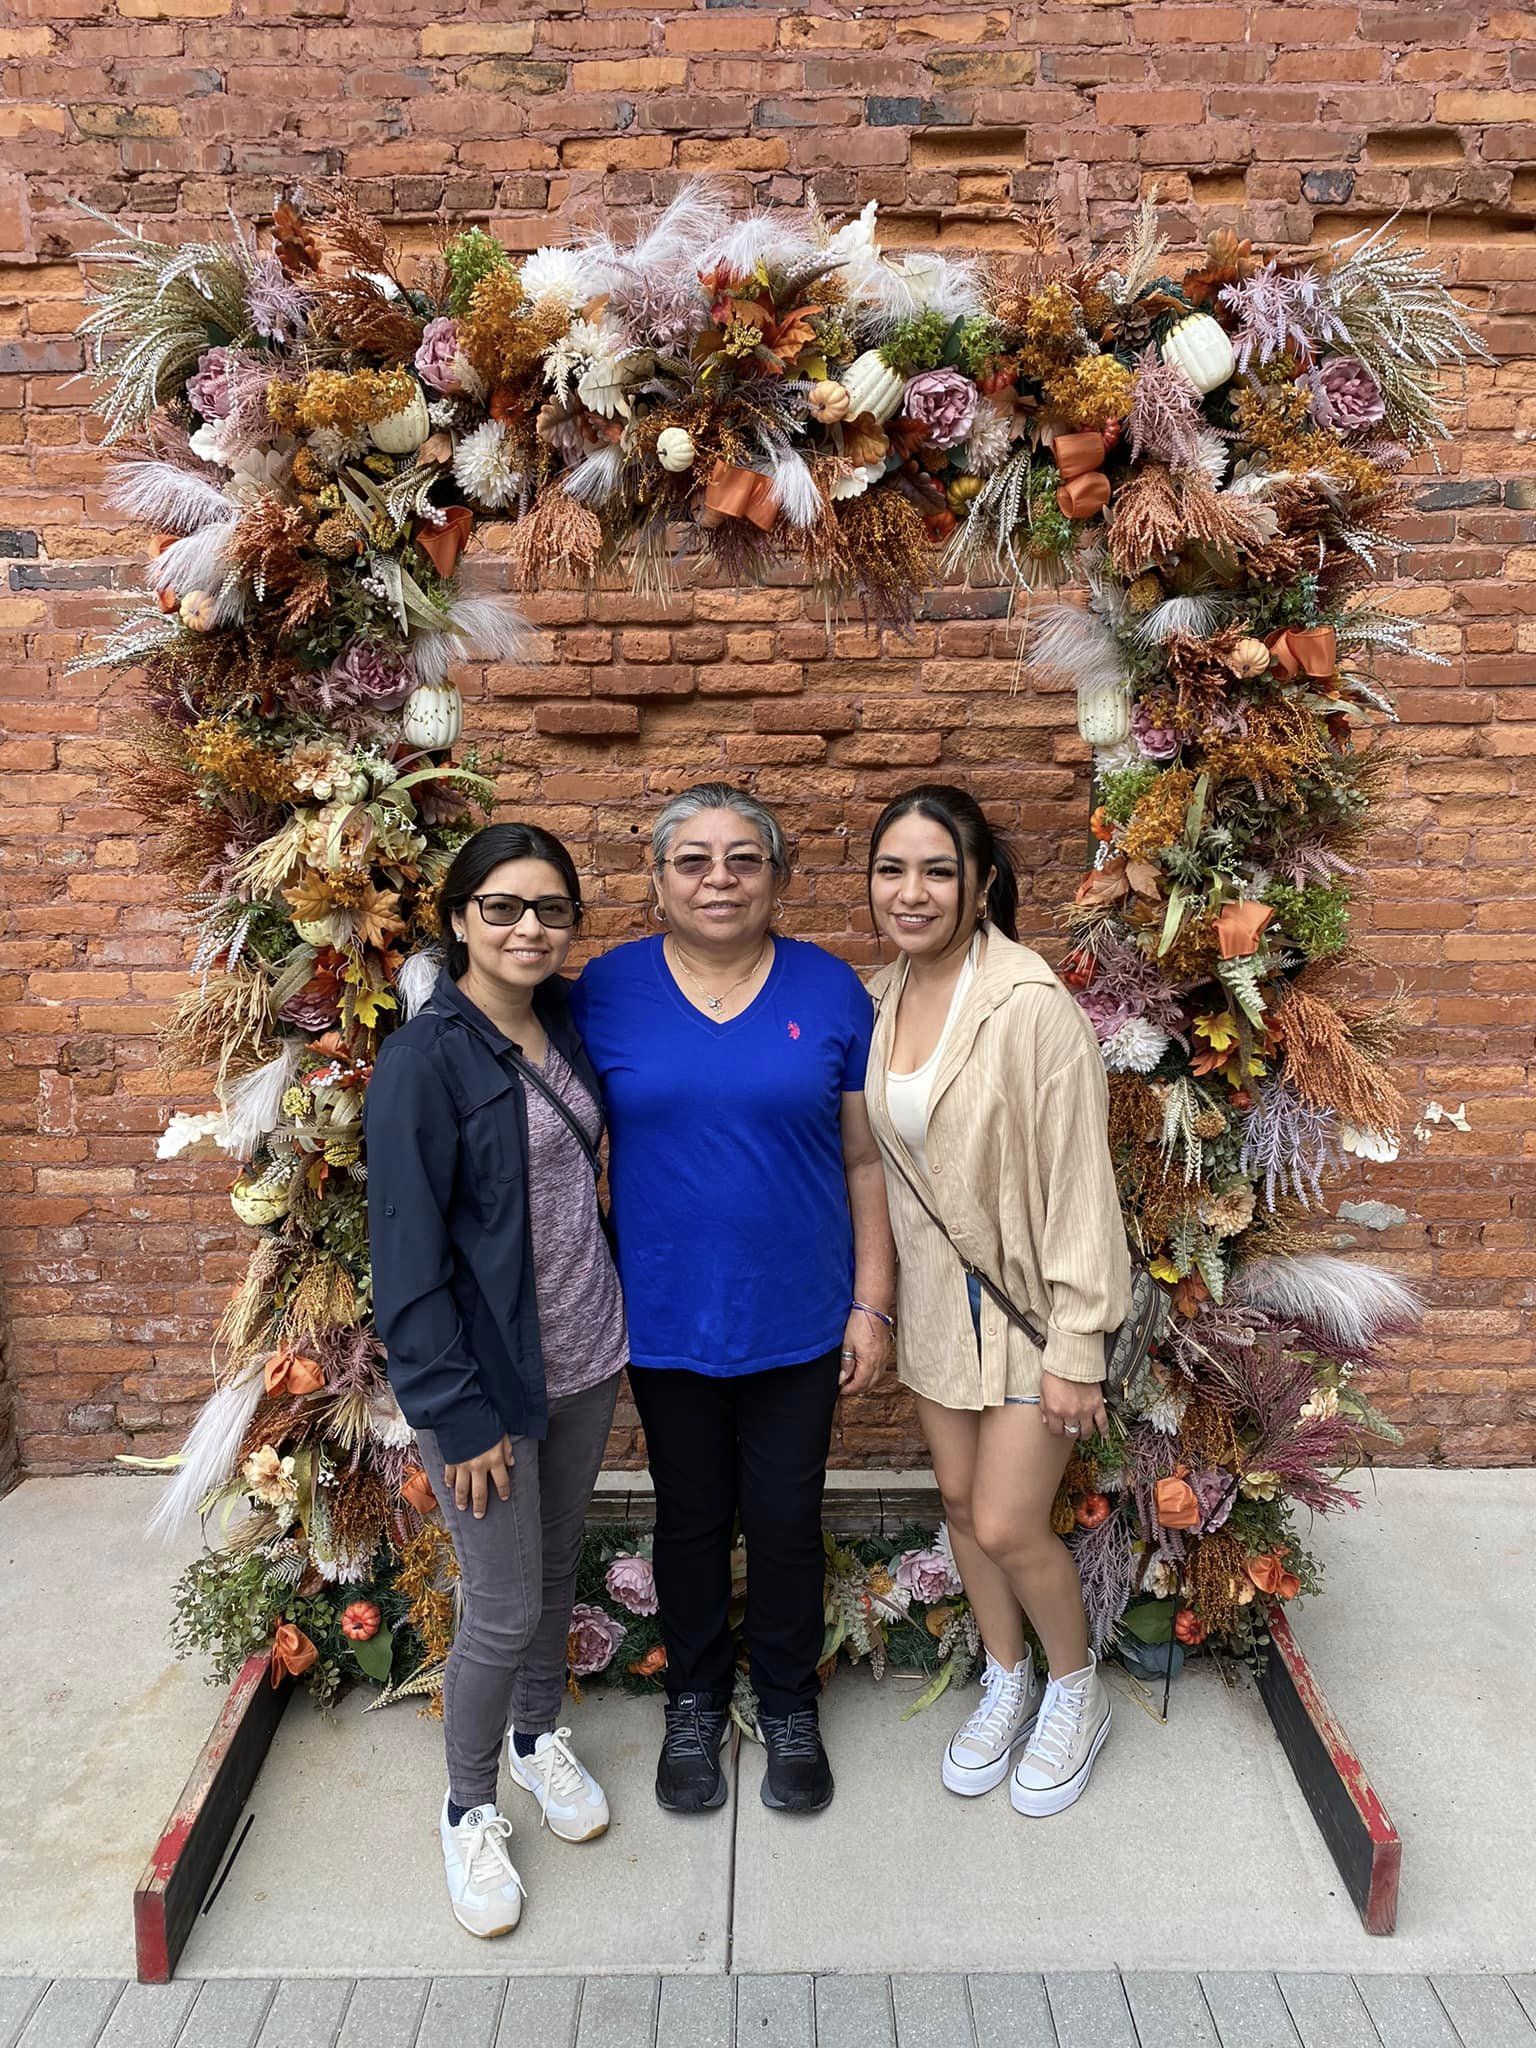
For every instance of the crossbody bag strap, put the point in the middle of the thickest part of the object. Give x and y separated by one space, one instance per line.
1010 1309
531 1074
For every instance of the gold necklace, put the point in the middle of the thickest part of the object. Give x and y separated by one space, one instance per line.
718 1003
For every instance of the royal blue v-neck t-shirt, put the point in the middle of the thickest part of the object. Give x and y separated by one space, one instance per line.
730 1205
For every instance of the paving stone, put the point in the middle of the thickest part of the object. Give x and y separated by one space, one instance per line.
72 2013
18 1996
1524 1988
384 2009
1089 2010
540 2012
855 2012
149 2016
1485 2010
618 2012
229 2012
1326 2011
461 2012
306 2013
1009 2009
1169 2009
1406 2013
1248 2009
774 2012
931 2012
696 2012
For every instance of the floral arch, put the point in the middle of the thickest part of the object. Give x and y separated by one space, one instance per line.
1211 454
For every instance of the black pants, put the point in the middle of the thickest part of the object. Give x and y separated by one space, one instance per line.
756 1445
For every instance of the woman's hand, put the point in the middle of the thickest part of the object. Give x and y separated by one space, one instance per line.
866 1352
471 1481
1072 1409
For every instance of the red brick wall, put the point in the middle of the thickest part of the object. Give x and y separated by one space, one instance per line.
1285 122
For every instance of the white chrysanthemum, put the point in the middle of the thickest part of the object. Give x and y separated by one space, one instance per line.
482 465
1135 1048
331 449
1165 1411
183 1132
1115 759
386 1425
992 435
601 388
1215 455
1162 1580
570 275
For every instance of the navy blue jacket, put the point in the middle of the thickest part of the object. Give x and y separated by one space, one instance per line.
446 1123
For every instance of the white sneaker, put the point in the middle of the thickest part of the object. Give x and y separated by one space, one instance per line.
484 1889
1070 1732
980 1753
572 1800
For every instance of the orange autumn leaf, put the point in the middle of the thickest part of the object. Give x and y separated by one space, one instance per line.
375 919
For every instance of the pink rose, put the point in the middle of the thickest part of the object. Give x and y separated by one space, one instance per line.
208 385
632 1583
441 363
593 1640
943 403
1346 395
927 1575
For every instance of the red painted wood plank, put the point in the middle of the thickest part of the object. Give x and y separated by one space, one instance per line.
175 1880
1333 1779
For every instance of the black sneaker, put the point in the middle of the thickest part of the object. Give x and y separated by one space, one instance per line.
798 1778
688 1774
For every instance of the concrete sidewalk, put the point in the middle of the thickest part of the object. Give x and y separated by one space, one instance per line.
1192 1852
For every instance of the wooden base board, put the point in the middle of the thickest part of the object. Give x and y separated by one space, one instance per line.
177 1876
1350 1816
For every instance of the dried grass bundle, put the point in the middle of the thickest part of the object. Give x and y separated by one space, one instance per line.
226 1022
360 301
879 545
1144 523
558 533
1329 1067
1215 1580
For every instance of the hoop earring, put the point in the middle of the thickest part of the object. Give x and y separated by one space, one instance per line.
778 909
657 915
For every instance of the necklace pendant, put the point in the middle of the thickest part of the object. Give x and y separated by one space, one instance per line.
716 1003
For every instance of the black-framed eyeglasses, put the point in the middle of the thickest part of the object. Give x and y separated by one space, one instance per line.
745 865
558 912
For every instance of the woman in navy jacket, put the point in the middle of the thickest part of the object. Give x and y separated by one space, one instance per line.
497 1301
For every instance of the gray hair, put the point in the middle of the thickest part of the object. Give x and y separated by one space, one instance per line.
719 796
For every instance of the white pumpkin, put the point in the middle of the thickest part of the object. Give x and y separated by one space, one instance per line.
872 386
404 431
1104 713
261 1201
432 716
674 449
1202 349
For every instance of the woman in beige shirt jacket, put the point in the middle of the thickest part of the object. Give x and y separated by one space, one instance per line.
986 1093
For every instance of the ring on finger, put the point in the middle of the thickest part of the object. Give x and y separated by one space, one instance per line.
1071 1428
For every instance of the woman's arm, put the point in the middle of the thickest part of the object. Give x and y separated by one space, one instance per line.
867 1339
412 1132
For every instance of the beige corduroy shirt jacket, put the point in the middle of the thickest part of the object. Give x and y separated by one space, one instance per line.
1019 1169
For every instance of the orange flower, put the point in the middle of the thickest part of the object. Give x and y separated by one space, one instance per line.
1269 1574
1177 1507
292 1652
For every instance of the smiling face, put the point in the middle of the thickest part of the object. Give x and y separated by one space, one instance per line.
712 895
925 902
517 957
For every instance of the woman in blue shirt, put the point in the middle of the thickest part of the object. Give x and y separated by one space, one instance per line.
756 1258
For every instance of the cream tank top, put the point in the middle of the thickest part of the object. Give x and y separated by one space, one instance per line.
908 1096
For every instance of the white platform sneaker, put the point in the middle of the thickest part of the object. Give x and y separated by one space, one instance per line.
572 1801
483 1886
980 1754
1069 1733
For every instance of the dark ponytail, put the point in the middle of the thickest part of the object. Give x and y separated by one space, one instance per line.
481 856
975 843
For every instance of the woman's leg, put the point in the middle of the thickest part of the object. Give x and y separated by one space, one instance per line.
501 1579
784 1432
690 1444
569 1460
953 1436
1018 1468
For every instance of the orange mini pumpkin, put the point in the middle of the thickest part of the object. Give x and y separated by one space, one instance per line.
1092 1511
1188 1627
361 1622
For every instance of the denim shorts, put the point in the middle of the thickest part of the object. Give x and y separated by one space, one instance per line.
973 1290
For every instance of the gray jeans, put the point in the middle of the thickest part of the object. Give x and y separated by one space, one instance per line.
517 1575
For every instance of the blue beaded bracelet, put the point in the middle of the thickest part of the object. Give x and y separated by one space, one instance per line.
879 1315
